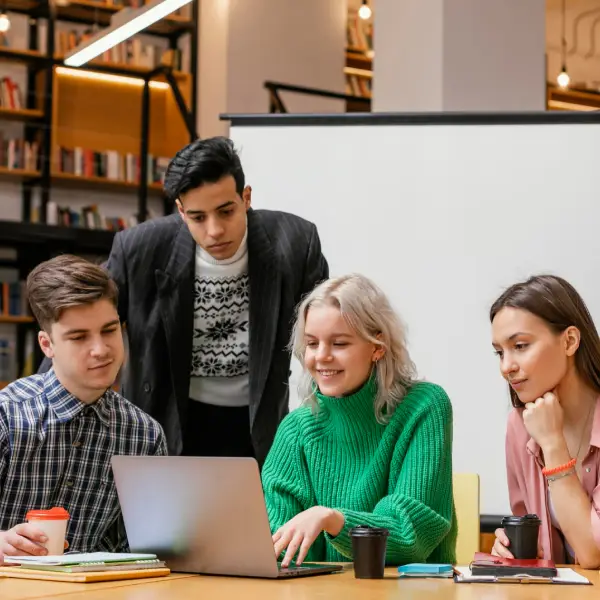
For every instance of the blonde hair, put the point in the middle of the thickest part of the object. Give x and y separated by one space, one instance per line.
370 315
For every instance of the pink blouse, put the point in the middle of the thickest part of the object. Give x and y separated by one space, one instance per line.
527 487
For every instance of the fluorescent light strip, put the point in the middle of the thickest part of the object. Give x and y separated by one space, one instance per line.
124 27
135 81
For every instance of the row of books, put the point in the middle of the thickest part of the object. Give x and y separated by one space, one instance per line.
10 94
132 52
109 164
88 217
13 298
16 153
359 33
180 12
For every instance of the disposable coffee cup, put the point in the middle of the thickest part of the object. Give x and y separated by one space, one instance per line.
522 533
368 548
53 523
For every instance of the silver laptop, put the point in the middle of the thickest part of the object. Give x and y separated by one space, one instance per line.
201 515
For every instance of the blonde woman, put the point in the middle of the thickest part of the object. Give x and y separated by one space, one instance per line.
372 446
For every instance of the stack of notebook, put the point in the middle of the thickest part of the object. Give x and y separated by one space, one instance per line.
94 566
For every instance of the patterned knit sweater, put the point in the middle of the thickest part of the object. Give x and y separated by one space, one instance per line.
397 475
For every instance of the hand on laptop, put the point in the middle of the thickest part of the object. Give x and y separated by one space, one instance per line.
23 539
299 533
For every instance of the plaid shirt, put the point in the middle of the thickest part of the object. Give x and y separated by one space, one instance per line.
56 451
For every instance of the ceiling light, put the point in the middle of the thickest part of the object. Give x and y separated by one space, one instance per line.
365 12
124 24
4 23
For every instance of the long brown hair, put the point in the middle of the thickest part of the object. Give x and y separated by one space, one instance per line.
558 303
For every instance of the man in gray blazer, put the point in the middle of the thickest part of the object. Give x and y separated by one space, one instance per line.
208 297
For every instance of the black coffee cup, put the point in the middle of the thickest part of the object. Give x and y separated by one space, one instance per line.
368 548
522 533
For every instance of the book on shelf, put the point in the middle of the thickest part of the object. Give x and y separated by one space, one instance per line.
88 217
13 299
10 94
110 164
16 153
132 52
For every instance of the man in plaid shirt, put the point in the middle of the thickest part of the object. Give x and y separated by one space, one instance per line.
59 430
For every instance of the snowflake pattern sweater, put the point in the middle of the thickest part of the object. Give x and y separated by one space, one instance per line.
397 475
221 329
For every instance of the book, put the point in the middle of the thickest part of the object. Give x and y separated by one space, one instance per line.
96 567
79 559
564 576
487 564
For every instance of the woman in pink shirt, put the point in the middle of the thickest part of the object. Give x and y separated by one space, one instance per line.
549 352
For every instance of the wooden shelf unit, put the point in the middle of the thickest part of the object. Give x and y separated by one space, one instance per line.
20 114
76 108
82 182
18 174
359 73
578 99
16 320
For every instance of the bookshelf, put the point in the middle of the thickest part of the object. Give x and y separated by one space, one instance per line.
359 61
100 133
73 110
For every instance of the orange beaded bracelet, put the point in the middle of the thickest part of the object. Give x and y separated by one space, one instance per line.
554 470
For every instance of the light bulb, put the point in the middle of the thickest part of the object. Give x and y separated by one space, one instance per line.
4 23
364 12
563 79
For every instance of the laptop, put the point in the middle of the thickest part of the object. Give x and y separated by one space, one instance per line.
201 515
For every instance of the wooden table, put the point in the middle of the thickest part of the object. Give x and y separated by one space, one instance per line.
341 586
27 589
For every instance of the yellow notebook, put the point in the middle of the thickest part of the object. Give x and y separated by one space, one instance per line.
87 577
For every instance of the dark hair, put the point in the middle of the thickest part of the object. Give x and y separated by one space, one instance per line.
558 303
66 281
203 161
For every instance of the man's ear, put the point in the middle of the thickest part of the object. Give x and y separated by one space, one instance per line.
179 206
46 344
247 197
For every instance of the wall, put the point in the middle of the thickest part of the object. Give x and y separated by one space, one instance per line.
243 44
444 217
458 55
494 55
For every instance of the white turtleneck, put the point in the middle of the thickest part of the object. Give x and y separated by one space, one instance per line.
221 329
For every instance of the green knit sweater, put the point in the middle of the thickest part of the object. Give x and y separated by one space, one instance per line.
397 475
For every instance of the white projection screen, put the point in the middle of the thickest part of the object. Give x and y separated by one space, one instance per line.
443 212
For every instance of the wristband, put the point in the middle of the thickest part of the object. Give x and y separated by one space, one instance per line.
551 478
546 471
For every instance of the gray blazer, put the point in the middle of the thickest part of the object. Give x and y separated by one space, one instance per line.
153 265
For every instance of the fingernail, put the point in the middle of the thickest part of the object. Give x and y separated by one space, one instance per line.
43 538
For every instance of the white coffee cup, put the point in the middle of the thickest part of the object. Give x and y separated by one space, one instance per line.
53 523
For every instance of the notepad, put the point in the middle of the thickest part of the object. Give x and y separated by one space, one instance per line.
79 558
426 570
565 576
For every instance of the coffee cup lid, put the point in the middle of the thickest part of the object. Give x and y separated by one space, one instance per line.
366 530
522 520
54 514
